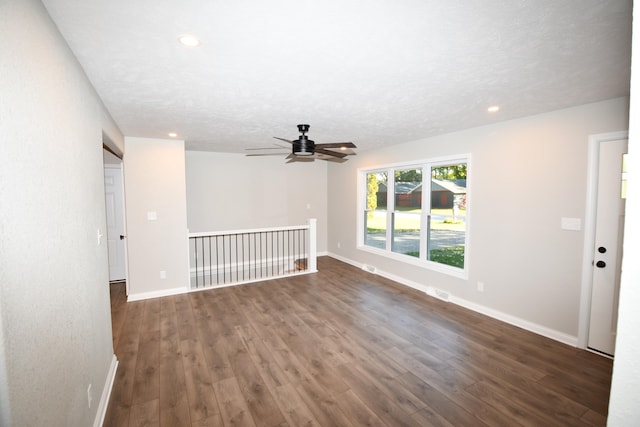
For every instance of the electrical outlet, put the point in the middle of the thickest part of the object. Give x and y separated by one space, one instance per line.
163 274
89 397
480 286
338 245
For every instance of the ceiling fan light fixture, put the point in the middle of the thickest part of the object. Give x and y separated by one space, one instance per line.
303 153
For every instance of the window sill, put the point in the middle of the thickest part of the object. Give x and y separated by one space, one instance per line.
429 265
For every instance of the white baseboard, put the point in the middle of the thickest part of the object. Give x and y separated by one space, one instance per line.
177 291
516 321
345 260
106 393
156 294
445 296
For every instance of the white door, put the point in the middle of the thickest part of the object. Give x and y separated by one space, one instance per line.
114 199
607 251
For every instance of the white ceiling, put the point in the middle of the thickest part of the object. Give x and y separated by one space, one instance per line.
375 72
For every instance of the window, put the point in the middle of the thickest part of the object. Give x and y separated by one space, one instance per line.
375 218
407 211
417 213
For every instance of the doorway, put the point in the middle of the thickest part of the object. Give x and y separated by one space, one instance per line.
604 231
114 203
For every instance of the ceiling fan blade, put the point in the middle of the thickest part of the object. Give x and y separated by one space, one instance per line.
265 148
334 159
285 140
337 145
330 153
264 154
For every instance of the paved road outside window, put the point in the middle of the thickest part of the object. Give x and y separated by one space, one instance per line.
406 242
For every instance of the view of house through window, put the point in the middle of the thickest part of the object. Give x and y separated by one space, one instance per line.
407 211
448 215
419 211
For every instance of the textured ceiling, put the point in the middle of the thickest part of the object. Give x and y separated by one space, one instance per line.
373 72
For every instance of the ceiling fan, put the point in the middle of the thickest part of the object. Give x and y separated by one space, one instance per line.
304 149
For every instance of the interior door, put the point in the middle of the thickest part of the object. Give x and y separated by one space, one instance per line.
607 251
114 199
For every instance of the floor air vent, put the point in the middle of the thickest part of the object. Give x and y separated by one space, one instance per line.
437 293
369 268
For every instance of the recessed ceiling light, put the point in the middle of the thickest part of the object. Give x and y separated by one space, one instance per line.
173 134
189 40
493 109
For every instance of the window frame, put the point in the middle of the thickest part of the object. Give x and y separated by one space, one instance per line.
390 169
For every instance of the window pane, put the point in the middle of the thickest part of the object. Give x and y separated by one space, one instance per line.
447 220
406 233
407 211
375 229
375 219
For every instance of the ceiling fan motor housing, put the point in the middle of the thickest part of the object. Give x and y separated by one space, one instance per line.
303 146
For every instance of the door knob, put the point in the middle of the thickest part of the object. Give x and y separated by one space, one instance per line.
602 249
121 237
601 264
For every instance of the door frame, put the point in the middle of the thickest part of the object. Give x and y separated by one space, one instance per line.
590 230
120 167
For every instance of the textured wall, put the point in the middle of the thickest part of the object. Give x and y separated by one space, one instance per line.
231 192
525 175
154 180
625 388
55 322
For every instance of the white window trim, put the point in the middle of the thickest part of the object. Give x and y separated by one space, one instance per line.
462 273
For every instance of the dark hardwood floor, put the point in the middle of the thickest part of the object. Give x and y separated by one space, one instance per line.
339 348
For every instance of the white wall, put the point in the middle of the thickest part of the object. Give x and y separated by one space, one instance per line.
55 323
233 191
525 175
154 180
625 388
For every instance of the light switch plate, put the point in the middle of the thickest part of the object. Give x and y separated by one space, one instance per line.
152 215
